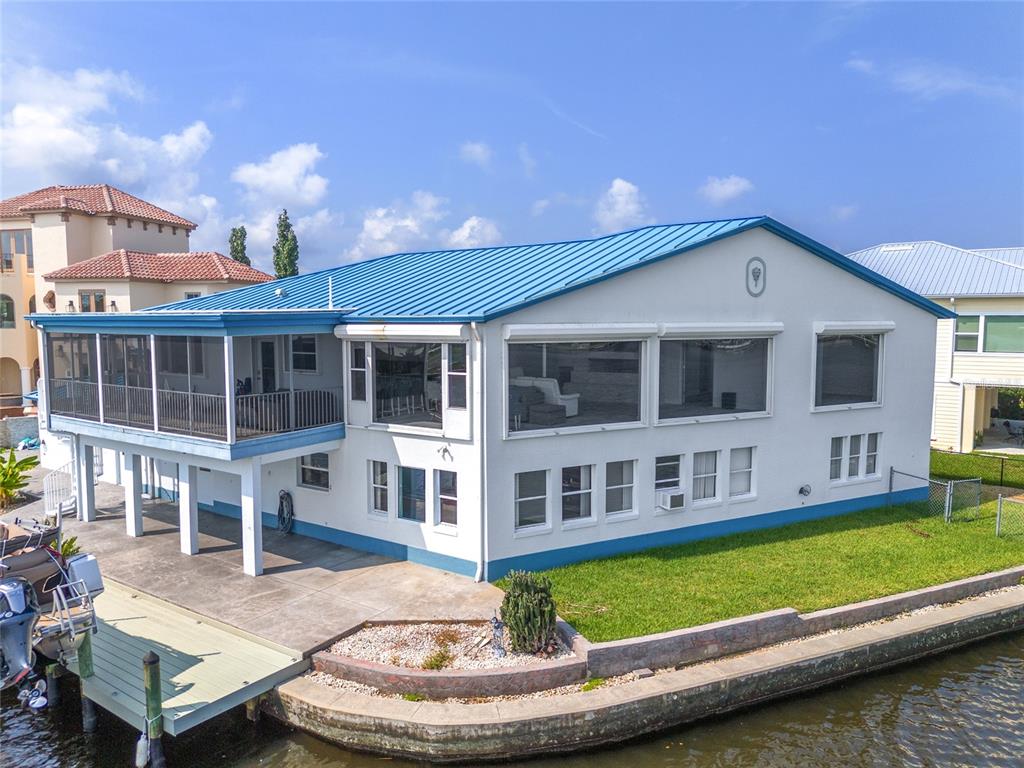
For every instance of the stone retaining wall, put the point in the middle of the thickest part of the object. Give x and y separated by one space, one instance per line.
503 730
14 429
453 683
711 641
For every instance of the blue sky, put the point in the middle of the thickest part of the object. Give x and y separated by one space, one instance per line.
390 127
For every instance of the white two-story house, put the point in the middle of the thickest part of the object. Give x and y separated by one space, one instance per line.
514 407
980 352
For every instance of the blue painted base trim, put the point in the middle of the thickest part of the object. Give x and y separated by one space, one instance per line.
355 541
540 561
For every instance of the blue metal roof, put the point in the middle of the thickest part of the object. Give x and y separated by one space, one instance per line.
945 271
477 284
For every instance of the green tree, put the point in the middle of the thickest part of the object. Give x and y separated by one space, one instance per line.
286 249
237 244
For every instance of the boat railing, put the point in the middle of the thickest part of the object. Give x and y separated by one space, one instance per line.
73 611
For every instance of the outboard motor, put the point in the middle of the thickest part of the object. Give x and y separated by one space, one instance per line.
19 612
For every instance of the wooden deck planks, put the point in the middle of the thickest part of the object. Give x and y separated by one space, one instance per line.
205 668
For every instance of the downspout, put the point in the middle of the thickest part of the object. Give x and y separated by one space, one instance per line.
481 567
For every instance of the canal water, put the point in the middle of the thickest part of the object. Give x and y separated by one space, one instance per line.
964 708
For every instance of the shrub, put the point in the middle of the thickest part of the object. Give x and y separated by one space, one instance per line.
69 546
439 659
412 696
528 611
446 636
592 683
14 477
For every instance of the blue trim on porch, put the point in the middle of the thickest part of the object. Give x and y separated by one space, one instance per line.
355 540
541 561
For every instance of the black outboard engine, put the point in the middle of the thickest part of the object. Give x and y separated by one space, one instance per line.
19 612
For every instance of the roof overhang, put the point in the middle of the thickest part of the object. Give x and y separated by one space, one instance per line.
169 323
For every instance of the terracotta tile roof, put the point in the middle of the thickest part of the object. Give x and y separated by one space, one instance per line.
195 266
91 199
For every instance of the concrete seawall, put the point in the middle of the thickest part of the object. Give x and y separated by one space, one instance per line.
504 729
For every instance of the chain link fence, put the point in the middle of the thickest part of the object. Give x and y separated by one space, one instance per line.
993 469
1010 518
954 500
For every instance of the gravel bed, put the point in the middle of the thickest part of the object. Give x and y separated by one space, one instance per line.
411 645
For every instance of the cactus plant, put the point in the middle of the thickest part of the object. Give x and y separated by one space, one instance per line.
528 611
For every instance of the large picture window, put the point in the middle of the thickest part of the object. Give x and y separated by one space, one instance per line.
1004 333
847 369
570 384
407 381
701 377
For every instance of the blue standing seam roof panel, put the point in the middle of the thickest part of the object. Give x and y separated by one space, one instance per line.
480 284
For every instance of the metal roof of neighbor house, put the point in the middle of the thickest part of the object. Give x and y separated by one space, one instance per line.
90 199
192 266
484 283
945 271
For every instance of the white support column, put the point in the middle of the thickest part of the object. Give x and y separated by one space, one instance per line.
85 490
99 375
133 494
44 380
252 518
291 383
230 400
152 376
26 381
188 507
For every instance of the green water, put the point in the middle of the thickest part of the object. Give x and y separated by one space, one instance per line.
963 708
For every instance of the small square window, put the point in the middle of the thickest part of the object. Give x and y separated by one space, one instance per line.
576 500
379 487
314 471
667 475
304 354
966 333
741 471
705 475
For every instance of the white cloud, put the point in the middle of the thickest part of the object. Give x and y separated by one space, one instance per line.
528 161
844 212
286 178
61 128
399 227
540 206
722 189
930 81
476 153
475 232
620 207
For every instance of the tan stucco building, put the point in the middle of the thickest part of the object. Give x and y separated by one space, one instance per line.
92 248
979 352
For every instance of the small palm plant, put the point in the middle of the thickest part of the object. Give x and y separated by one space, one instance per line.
14 477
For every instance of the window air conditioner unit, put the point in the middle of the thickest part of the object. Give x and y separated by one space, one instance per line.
673 498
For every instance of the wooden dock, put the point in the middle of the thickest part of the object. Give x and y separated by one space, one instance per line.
206 667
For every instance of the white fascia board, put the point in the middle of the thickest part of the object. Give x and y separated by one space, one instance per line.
721 330
395 331
854 326
579 330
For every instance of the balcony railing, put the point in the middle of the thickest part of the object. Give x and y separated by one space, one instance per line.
198 413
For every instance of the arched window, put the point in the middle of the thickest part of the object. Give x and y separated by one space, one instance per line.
32 304
6 311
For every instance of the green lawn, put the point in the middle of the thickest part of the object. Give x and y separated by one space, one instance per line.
807 566
987 466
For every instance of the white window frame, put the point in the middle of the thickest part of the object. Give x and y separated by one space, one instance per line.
706 500
290 357
440 497
300 465
449 375
713 332
353 371
374 485
588 491
580 334
858 460
532 528
983 336
750 471
631 511
824 329
976 335
835 460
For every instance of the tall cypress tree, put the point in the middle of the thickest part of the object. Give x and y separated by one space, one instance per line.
286 249
237 244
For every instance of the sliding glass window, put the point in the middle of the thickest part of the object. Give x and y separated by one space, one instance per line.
572 384
1004 333
704 377
847 369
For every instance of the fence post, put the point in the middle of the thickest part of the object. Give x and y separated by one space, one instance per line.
949 501
154 708
888 496
999 514
1002 466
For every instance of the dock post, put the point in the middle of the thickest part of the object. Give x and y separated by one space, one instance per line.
85 669
154 708
52 689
